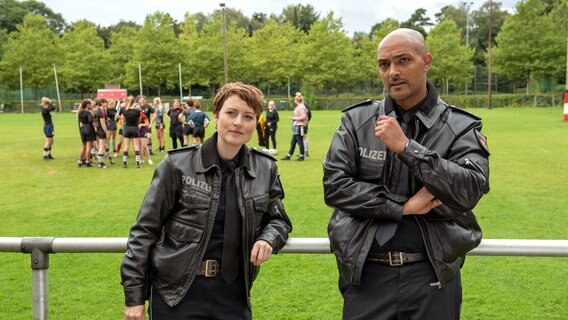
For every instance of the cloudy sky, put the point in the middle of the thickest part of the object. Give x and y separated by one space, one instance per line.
357 15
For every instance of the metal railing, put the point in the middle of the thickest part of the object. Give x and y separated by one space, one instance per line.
41 248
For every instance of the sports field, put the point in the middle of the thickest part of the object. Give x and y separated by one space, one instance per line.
528 200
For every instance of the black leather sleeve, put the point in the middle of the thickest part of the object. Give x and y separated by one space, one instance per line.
157 204
344 190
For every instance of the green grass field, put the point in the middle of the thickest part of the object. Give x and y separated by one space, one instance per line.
528 200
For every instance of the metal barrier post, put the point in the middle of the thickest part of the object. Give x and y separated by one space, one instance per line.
40 248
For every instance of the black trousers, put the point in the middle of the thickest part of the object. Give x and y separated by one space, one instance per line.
207 298
401 293
270 134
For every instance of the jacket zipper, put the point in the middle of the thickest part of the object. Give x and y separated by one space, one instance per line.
427 245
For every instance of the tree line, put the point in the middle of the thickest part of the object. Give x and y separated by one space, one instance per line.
299 47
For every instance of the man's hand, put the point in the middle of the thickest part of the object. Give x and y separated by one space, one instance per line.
134 313
420 203
388 130
261 252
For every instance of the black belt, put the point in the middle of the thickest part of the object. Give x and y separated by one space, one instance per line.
209 268
395 259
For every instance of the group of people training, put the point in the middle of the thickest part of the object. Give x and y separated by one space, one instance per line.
187 121
99 121
402 175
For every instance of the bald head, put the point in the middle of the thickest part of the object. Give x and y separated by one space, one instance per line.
403 61
412 36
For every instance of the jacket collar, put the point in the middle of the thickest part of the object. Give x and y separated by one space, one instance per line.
426 110
210 157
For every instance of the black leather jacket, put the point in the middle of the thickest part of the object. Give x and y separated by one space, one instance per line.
451 161
168 241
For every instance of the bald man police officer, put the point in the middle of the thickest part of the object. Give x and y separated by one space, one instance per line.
402 175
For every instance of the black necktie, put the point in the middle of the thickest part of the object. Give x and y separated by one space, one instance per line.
387 229
231 236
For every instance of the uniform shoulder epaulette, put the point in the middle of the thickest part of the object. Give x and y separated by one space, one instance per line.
258 151
360 104
463 112
182 149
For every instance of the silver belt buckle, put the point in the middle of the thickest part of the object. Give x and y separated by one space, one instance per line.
211 268
395 263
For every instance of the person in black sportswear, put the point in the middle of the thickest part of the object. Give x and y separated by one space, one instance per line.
87 132
131 132
48 128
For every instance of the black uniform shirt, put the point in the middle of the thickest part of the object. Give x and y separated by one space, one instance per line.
215 246
46 113
408 237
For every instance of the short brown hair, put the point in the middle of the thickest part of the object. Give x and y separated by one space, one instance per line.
248 93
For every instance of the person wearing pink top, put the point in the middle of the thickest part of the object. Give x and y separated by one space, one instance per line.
300 120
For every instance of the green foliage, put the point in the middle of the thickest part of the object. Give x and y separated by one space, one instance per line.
154 50
13 13
3 39
32 37
418 21
452 59
207 55
187 48
38 198
121 52
480 30
85 58
294 49
275 50
327 57
300 16
526 45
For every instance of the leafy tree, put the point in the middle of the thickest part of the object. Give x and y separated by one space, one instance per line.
235 17
529 44
418 21
452 58
85 58
300 16
154 50
479 35
328 56
34 48
459 15
257 22
12 13
121 48
238 54
275 51
209 53
106 32
3 39
188 42
386 26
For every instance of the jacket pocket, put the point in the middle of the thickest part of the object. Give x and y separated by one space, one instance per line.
347 235
259 207
176 247
371 169
195 199
453 239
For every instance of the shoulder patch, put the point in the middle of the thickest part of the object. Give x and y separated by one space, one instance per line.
482 140
182 149
360 104
258 151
